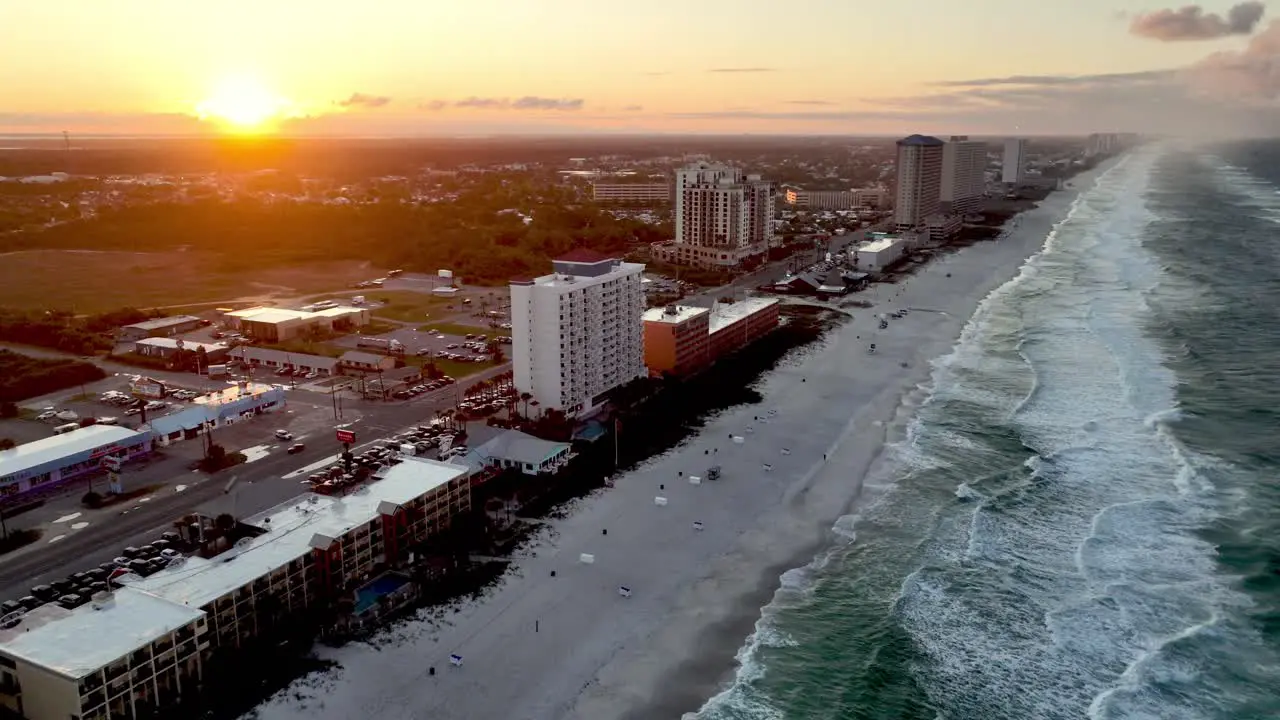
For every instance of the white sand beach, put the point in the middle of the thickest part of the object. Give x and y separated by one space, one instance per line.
570 646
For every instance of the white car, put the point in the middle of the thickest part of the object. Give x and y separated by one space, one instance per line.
47 415
284 435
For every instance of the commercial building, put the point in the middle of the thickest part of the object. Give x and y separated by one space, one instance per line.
233 404
575 334
42 464
362 362
160 327
721 216
164 347
277 359
919 181
879 254
631 193
280 324
964 165
737 324
512 449
1014 164
676 340
143 647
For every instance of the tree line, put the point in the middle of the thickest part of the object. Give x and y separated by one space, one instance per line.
23 377
61 330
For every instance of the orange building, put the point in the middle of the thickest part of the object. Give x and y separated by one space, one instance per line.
676 340
680 340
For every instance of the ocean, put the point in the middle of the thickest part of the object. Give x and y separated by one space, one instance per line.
1083 520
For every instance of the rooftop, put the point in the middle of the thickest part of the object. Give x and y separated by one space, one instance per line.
559 280
520 447
235 392
364 358
281 357
34 454
682 313
294 528
726 314
164 322
879 244
172 344
926 140
584 256
74 643
270 315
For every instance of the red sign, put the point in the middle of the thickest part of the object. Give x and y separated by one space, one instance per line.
346 436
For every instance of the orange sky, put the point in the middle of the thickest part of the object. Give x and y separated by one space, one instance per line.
404 67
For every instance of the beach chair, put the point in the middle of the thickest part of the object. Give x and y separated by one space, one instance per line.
624 591
455 660
697 525
695 480
659 501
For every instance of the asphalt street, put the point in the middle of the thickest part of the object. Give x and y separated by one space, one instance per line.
267 480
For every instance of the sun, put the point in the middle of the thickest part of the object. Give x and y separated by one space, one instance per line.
242 104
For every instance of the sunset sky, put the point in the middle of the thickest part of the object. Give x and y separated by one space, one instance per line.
430 67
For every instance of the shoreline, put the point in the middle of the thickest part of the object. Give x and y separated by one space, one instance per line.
538 646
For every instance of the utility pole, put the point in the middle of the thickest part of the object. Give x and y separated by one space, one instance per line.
66 144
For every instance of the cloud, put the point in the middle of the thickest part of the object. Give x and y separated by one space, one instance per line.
658 73
633 108
367 101
1102 79
1250 76
528 102
808 102
742 70
433 105
1193 23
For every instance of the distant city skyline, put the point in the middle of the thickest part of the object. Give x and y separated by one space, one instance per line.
401 68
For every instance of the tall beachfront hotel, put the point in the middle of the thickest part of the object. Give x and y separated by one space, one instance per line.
576 333
919 181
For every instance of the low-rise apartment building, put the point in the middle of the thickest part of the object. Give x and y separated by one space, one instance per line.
144 646
676 340
737 324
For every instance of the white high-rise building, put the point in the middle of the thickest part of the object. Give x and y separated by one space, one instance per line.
1015 161
919 181
577 333
964 164
721 217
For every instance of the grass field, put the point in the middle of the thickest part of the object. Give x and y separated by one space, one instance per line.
407 305
452 368
87 281
453 328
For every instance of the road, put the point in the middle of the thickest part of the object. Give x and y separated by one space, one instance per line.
260 484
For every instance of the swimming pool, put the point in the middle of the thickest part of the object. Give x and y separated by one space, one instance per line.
368 595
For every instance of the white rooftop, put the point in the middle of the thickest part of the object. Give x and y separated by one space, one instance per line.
270 315
291 528
557 280
74 643
51 449
726 314
879 244
172 344
683 312
282 315
234 392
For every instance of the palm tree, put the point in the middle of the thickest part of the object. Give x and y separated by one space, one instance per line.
525 398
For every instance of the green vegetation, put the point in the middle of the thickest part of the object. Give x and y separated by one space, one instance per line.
304 347
23 377
18 538
406 305
452 368
7 444
468 235
62 331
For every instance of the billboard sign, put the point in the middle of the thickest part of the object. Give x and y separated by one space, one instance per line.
447 274
346 436
147 387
